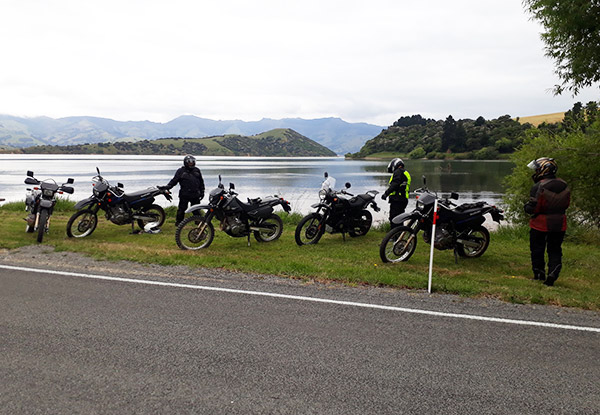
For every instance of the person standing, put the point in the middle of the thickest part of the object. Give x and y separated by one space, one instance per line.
398 188
191 186
549 199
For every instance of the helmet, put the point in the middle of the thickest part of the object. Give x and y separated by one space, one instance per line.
151 228
544 166
189 161
394 164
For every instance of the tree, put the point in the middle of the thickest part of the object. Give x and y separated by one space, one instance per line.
572 38
449 135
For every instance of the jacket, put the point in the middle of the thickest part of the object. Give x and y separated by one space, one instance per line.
399 184
548 201
191 184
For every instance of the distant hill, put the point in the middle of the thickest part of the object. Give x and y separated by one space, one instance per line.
275 143
536 120
333 133
419 137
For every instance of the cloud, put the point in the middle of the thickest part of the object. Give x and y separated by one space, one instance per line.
362 61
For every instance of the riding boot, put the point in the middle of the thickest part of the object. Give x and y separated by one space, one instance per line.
553 275
539 274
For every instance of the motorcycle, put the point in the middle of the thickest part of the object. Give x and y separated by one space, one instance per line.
457 227
120 208
238 219
40 202
337 211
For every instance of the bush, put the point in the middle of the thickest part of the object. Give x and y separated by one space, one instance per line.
576 154
417 153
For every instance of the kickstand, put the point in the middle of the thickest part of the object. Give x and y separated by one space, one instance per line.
455 256
344 236
248 239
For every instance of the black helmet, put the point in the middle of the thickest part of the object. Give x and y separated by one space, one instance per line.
544 166
394 164
189 161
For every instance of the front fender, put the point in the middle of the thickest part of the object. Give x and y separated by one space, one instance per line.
85 202
197 207
320 205
403 217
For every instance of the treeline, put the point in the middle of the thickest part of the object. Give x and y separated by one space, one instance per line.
144 147
420 137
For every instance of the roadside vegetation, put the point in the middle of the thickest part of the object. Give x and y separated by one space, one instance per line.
503 272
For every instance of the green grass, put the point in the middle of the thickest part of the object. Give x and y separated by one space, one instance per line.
503 272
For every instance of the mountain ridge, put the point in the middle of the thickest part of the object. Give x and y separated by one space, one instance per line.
333 133
274 143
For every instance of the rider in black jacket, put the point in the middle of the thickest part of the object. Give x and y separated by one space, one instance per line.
191 186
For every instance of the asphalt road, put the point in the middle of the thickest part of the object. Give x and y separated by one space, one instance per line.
85 346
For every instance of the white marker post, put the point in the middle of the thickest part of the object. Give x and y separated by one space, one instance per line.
432 240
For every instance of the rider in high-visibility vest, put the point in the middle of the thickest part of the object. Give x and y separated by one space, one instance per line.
398 188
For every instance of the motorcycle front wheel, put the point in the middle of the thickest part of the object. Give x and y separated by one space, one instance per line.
194 233
310 229
42 224
273 228
477 243
157 213
82 224
362 224
398 244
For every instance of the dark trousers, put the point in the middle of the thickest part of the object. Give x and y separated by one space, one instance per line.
397 207
183 205
539 243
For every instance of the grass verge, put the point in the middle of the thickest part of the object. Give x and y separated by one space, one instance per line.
503 272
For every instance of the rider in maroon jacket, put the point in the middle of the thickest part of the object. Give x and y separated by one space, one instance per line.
549 199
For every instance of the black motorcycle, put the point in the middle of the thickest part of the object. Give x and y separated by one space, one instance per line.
457 227
120 208
40 201
337 211
238 219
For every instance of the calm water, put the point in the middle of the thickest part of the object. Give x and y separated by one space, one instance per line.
296 179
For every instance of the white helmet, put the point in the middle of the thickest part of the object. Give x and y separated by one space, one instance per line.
394 164
151 228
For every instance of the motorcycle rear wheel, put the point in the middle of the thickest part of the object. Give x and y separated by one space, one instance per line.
364 224
82 224
398 244
194 233
42 224
275 224
154 211
481 236
310 229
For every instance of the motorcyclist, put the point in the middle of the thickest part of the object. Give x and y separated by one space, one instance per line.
397 189
191 186
549 198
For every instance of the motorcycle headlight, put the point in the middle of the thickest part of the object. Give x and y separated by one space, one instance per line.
322 194
420 205
48 193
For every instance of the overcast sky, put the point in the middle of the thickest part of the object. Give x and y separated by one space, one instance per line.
363 61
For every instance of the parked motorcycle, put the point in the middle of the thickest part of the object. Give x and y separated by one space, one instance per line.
238 219
457 227
120 208
40 201
337 211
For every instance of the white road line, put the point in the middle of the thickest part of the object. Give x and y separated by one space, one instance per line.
312 299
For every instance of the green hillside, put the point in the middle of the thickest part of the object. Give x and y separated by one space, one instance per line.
274 143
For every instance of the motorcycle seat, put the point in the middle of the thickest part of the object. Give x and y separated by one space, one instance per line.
137 195
360 200
470 206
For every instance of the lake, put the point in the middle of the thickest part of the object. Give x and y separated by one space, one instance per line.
296 179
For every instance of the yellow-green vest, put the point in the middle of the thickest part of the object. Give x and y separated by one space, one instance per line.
408 179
